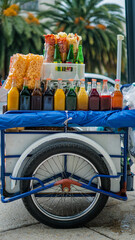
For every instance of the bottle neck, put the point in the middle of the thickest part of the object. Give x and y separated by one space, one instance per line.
13 82
117 86
99 88
72 85
82 85
94 85
37 84
88 87
60 84
105 90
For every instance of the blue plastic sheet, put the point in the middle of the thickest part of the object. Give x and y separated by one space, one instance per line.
113 119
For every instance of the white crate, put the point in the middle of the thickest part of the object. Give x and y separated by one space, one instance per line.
62 70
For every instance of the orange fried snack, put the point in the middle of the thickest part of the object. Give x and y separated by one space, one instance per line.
49 47
63 47
18 69
34 69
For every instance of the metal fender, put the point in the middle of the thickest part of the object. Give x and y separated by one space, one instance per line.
58 136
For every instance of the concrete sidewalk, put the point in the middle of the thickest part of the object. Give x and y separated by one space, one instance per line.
116 221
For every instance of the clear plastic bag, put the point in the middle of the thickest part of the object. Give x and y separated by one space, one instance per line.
131 143
129 96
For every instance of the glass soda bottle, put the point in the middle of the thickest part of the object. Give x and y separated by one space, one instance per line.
13 96
57 57
117 97
59 97
36 96
48 97
25 97
70 57
88 87
71 97
94 99
80 58
82 97
105 98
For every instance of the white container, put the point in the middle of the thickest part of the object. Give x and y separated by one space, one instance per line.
62 70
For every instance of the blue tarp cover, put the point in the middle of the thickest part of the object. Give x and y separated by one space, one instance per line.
113 119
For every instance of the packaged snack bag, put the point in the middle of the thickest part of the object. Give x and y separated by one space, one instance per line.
49 47
34 69
17 69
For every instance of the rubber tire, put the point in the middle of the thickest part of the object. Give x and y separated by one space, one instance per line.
61 147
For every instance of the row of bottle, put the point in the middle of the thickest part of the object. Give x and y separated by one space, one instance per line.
76 98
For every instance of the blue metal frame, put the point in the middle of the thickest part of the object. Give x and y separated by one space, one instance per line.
84 184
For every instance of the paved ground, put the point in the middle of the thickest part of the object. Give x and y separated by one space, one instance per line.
116 221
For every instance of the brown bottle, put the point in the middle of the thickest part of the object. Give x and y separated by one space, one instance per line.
36 96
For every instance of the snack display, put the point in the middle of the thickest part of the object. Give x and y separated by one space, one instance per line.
24 66
64 41
34 69
17 70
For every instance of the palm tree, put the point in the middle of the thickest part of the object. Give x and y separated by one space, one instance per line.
97 23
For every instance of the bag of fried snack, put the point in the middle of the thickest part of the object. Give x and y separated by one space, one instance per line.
73 39
34 69
63 45
49 47
17 69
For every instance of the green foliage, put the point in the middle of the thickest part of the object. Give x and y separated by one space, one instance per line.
16 35
79 16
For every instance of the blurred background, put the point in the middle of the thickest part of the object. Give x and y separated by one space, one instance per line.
23 23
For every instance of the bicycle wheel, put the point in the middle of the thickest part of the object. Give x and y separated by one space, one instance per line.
66 204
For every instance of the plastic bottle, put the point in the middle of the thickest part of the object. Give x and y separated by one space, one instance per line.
59 97
36 96
88 87
48 97
117 97
105 98
82 97
80 58
71 97
94 99
13 97
25 97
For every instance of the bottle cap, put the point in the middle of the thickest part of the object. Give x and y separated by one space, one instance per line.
89 83
37 79
98 83
71 79
82 80
94 80
105 80
59 79
117 80
48 79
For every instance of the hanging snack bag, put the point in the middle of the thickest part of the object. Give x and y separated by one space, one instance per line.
49 47
34 69
74 39
63 45
17 70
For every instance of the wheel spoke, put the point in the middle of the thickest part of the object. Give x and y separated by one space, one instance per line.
62 204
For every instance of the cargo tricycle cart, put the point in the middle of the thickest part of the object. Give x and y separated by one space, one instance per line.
64 170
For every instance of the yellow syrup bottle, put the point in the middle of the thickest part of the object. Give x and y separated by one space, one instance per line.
59 97
82 97
13 97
